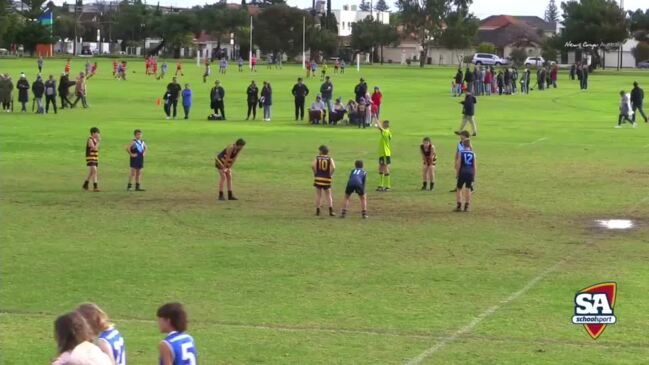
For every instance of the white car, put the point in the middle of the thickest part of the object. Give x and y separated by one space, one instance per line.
534 61
488 59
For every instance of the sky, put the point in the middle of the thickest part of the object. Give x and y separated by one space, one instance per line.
481 8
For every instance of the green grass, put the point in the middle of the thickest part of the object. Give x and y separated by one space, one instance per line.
266 282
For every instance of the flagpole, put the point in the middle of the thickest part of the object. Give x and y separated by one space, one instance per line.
303 42
250 55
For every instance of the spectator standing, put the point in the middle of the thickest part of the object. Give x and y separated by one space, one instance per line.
637 98
514 79
377 99
64 90
507 78
468 78
468 112
267 100
487 82
300 92
23 92
74 342
327 90
553 76
80 91
572 71
480 81
173 93
253 98
500 80
38 89
360 90
50 94
584 78
477 77
217 95
187 100
458 83
5 92
40 64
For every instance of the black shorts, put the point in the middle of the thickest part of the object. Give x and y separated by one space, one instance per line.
465 179
137 164
322 187
92 163
358 189
385 160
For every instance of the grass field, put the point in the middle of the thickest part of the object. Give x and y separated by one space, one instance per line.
267 282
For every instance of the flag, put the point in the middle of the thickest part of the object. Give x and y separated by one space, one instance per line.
47 18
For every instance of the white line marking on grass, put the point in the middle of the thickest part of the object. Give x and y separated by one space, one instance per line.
484 315
535 142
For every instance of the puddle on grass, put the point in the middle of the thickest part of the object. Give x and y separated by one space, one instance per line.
615 224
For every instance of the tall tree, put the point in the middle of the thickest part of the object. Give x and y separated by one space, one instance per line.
461 28
364 5
425 19
278 28
4 20
369 34
381 5
639 24
600 23
552 12
132 22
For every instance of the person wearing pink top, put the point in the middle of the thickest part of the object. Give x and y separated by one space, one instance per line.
377 97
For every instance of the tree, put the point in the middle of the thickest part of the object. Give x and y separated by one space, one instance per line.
322 41
518 56
381 5
599 23
31 34
177 29
552 12
486 47
364 6
461 28
132 22
278 28
641 52
4 20
369 34
425 19
639 24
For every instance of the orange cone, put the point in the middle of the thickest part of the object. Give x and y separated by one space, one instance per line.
157 101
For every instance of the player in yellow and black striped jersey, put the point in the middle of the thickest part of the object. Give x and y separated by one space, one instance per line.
92 158
223 163
323 169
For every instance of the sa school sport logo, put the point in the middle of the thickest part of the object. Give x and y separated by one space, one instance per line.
594 308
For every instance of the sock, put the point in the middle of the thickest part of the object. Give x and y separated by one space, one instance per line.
229 193
388 181
466 206
137 185
459 205
364 212
382 179
94 185
424 185
220 194
317 211
432 185
85 183
129 186
343 212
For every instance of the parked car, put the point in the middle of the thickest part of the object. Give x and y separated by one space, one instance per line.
643 64
534 61
488 59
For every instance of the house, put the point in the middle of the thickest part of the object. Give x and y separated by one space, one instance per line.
507 32
349 14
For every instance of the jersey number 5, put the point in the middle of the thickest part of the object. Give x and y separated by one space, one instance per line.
188 353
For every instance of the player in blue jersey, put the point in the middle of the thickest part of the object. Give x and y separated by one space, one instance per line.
323 170
137 149
109 340
465 169
178 347
463 135
356 184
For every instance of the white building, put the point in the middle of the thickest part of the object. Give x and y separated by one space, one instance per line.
350 14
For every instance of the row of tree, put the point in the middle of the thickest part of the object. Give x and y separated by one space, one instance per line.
278 28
